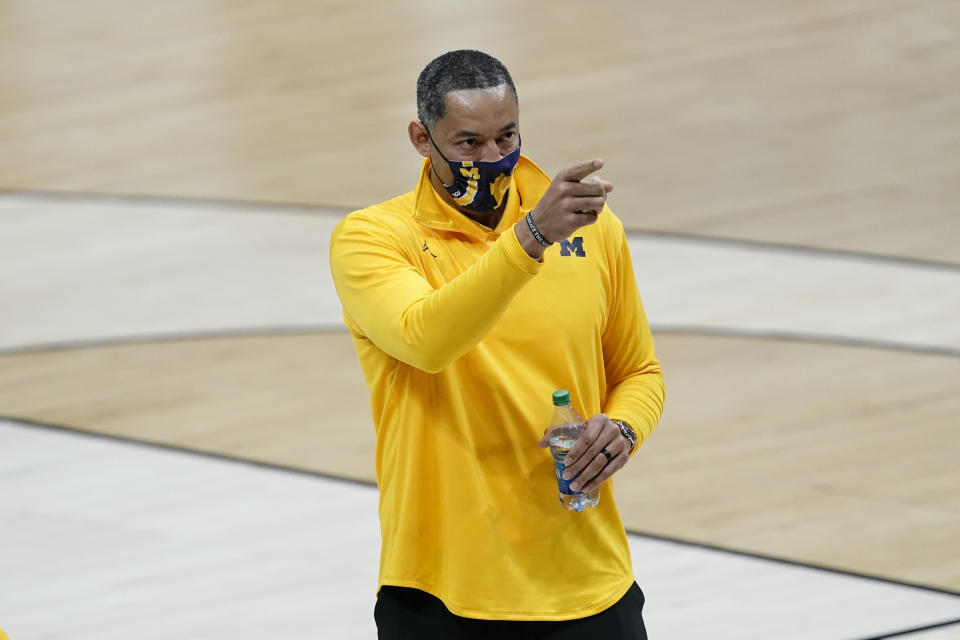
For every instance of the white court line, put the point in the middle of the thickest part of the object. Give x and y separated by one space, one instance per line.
82 270
109 540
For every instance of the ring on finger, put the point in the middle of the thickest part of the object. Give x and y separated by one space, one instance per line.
607 455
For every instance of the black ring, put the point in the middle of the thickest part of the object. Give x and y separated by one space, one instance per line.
607 455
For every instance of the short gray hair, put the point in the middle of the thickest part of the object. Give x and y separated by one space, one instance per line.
456 71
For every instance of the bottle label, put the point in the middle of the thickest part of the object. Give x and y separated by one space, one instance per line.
560 445
564 485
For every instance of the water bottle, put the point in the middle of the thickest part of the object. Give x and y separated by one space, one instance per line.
565 427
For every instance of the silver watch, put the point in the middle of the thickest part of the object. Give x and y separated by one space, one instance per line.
627 432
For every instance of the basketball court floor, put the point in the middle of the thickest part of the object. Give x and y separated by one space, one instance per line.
185 436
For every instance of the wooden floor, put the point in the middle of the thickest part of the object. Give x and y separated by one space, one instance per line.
812 405
823 123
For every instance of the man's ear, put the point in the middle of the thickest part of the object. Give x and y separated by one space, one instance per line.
419 138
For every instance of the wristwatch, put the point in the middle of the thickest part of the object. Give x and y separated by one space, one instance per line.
627 432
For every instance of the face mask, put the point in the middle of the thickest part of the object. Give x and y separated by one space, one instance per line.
479 186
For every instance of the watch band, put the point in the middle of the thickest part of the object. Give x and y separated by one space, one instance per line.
628 433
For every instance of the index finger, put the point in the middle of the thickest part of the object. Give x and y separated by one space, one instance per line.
607 186
578 172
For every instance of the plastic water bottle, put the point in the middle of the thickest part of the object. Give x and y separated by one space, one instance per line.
565 427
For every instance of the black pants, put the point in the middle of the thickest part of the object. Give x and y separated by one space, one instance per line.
403 614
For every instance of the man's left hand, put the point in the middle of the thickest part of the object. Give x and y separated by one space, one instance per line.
587 458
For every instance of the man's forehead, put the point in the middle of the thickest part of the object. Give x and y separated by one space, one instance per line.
468 96
488 106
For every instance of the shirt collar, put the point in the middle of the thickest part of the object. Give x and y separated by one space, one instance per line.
431 210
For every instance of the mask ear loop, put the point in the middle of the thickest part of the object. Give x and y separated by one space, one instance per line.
519 146
432 168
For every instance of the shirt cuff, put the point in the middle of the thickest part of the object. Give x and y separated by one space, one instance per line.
517 254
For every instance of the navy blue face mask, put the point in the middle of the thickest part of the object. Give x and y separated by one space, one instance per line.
479 186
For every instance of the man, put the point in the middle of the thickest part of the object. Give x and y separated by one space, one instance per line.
470 300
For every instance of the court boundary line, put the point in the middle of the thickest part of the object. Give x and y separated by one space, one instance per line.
161 338
306 330
63 428
787 561
907 632
163 446
803 338
304 209
803 249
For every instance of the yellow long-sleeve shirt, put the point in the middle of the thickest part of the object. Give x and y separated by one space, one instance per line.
462 338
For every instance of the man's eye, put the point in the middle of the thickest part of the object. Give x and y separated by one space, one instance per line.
468 143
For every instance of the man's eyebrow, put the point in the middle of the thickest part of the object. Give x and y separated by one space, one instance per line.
463 133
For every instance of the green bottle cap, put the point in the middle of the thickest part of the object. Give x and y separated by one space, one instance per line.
561 397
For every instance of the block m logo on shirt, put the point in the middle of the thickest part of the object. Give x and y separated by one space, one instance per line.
575 245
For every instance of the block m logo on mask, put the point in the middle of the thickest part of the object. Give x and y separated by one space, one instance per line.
575 245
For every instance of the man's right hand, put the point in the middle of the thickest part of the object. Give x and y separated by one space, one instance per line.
572 200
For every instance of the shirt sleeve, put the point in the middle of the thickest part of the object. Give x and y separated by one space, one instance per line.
635 389
395 306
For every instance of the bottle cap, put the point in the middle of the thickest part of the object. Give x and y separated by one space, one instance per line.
561 397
